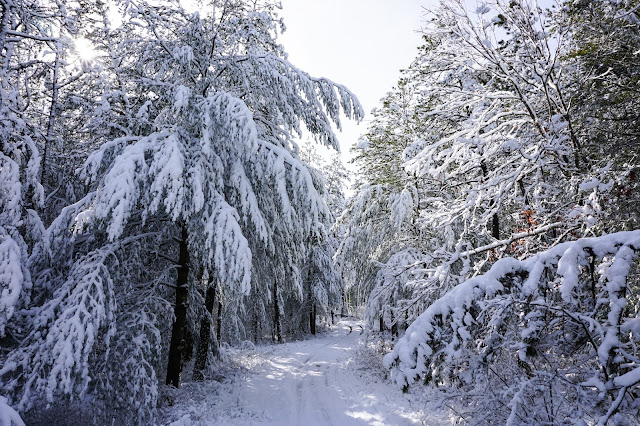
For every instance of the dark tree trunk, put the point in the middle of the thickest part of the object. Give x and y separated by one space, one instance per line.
177 345
187 353
255 326
4 26
276 315
53 113
219 322
495 227
381 321
204 344
311 305
312 318
495 222
344 311
524 192
394 326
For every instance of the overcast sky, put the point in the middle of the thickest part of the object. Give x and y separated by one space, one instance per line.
359 43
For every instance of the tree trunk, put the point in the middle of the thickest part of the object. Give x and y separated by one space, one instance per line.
381 321
394 326
53 113
343 310
495 227
255 326
187 352
495 221
177 345
204 344
219 323
4 26
276 315
312 318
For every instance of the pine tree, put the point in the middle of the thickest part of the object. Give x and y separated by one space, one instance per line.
194 182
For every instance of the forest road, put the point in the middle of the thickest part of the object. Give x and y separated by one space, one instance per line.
317 382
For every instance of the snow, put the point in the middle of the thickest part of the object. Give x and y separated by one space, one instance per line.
181 98
10 191
11 277
8 416
402 206
312 382
118 195
71 322
629 379
168 169
408 360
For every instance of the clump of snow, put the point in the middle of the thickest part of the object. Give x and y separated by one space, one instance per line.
511 145
11 277
629 379
482 9
181 98
402 207
363 143
9 416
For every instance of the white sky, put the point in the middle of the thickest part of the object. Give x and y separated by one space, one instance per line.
359 43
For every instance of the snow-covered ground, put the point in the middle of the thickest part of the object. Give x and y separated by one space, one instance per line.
320 381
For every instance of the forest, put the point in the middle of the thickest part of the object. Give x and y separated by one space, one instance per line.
162 202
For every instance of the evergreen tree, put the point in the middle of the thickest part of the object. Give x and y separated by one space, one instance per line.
196 178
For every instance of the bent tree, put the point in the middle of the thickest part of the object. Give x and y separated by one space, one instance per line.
199 186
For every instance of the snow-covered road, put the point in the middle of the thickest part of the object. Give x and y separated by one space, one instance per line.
312 382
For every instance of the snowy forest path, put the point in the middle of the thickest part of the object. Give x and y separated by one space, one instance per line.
313 382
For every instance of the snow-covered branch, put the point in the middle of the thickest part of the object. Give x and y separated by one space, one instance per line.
517 309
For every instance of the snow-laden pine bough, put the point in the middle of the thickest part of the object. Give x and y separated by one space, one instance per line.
553 338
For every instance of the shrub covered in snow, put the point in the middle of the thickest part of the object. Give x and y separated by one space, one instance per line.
549 339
